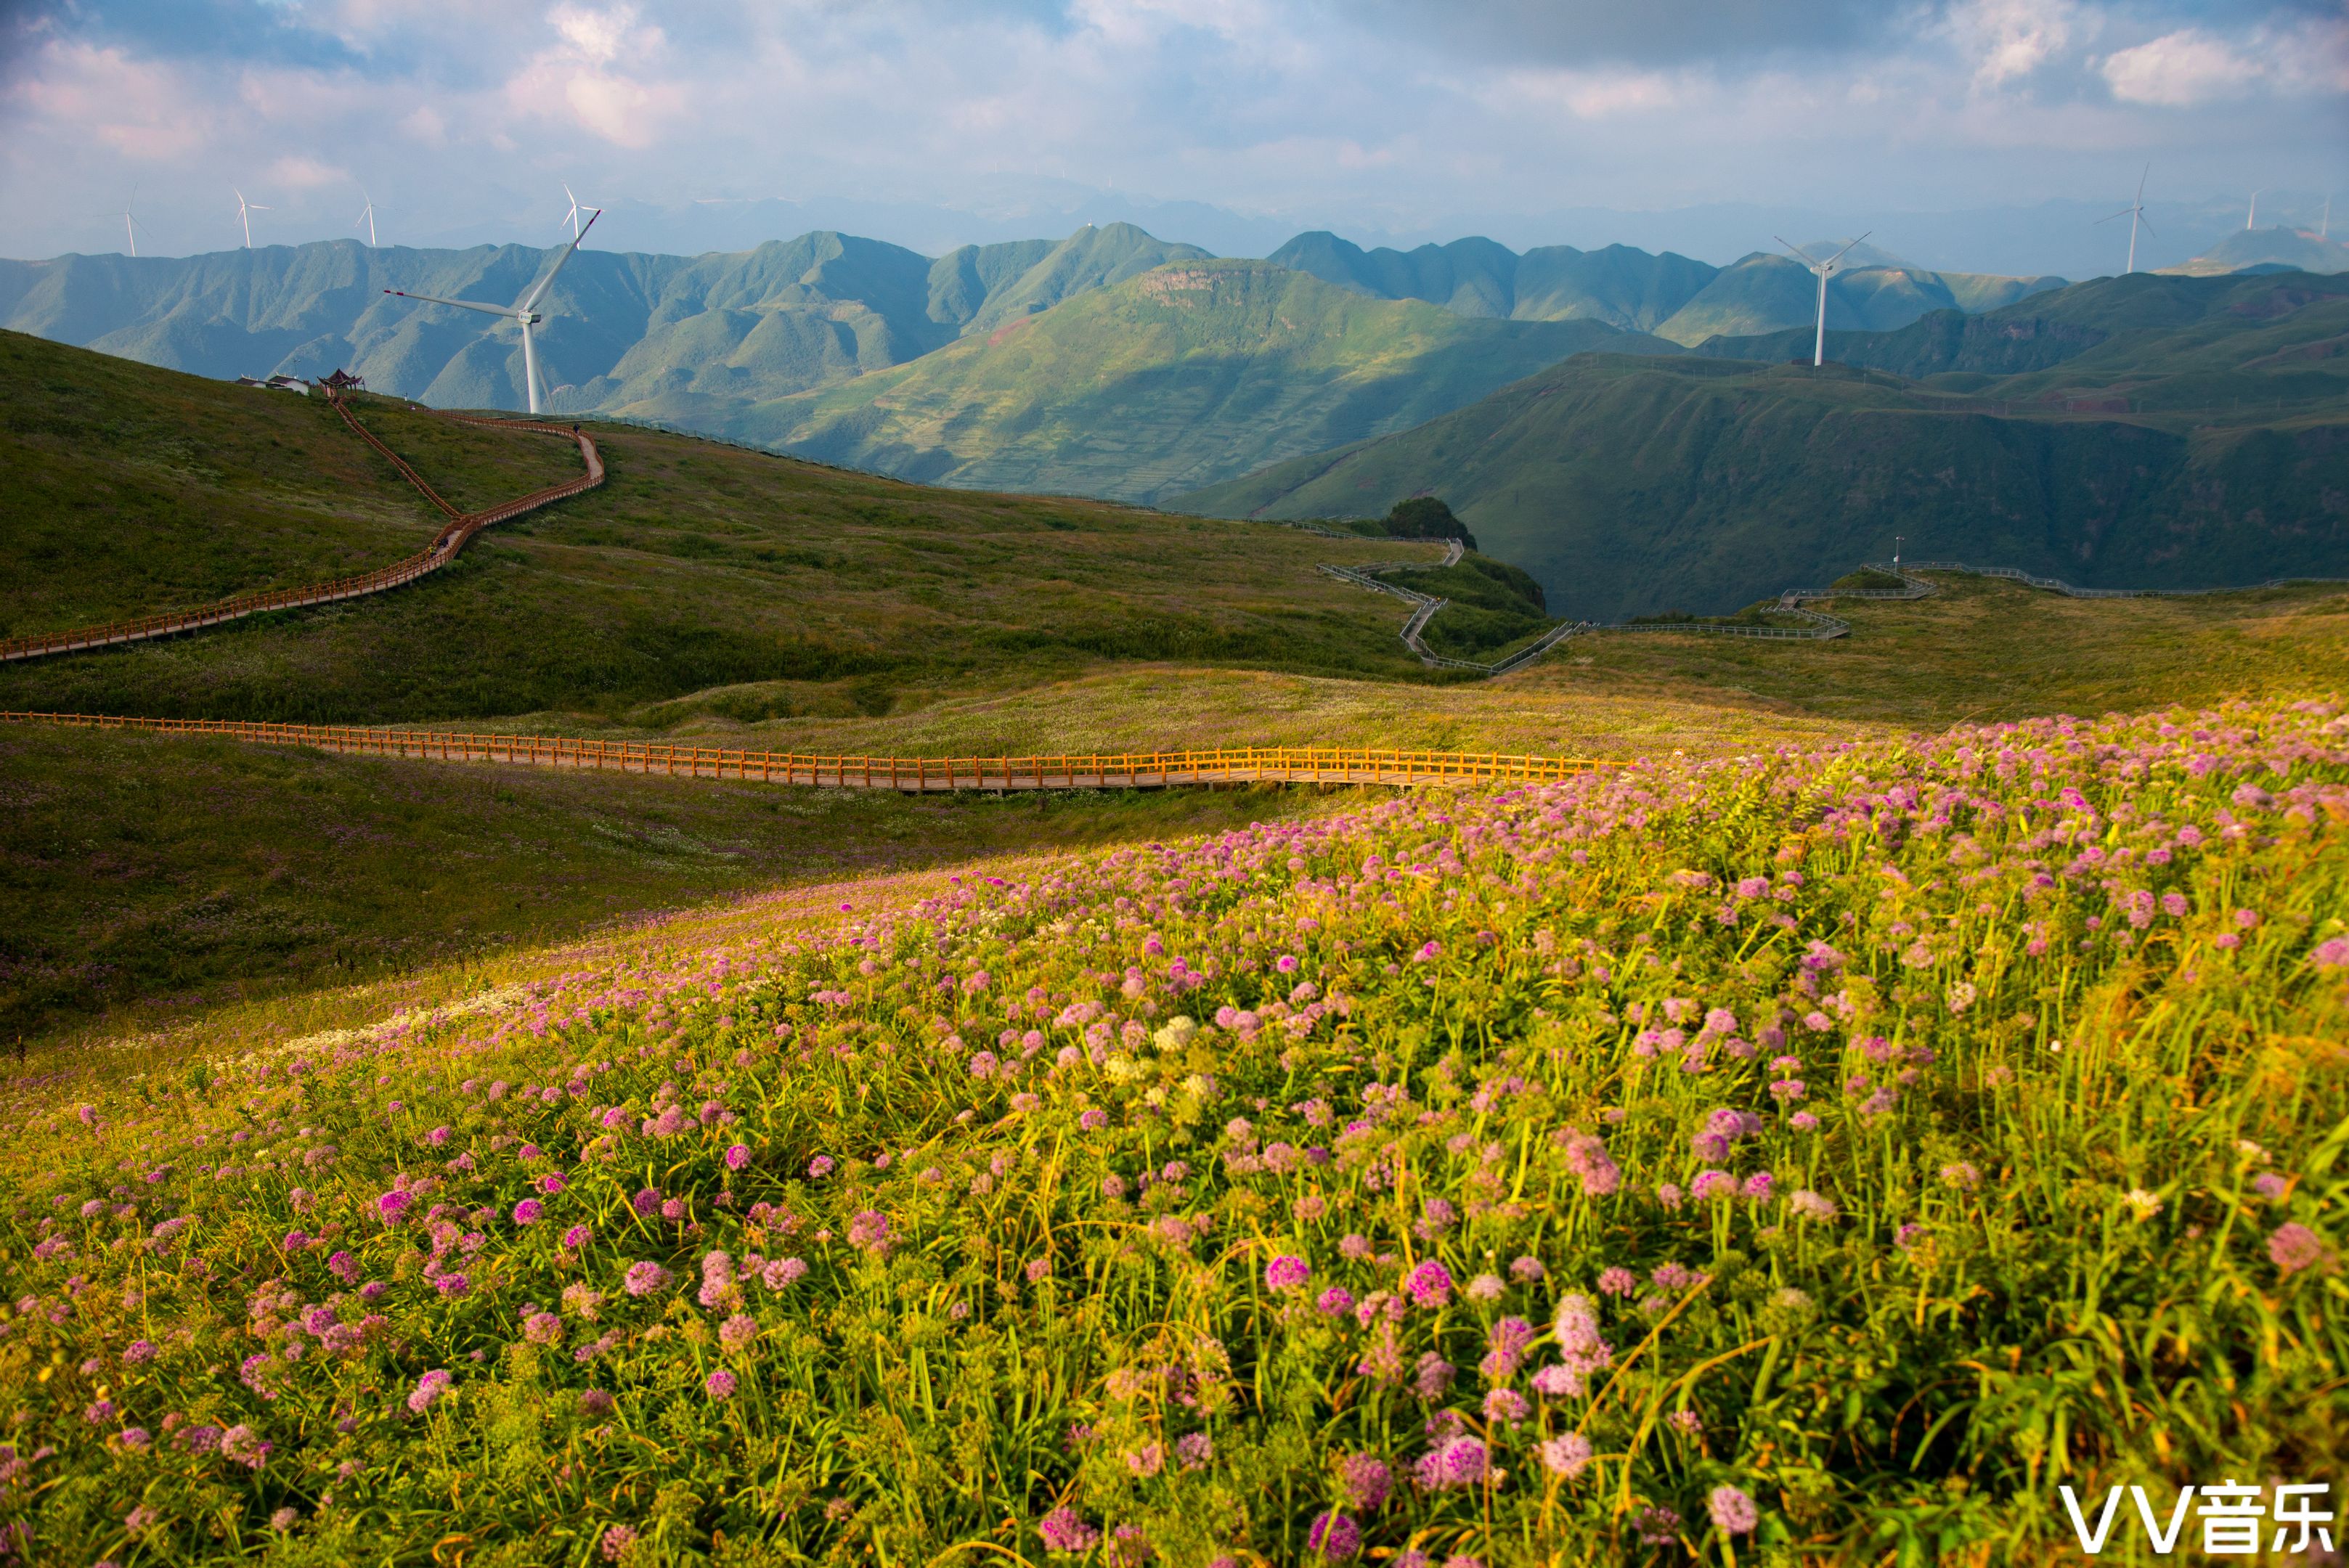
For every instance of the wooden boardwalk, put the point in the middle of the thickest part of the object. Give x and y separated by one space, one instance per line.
905 775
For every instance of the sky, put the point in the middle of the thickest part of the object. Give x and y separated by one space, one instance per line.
1986 132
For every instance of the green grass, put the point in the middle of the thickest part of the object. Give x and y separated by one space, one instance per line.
151 880
694 565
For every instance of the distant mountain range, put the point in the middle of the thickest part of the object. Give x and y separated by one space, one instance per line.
690 338
1166 382
2280 249
2137 431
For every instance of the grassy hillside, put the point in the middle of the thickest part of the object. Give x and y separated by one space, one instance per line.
1731 1154
1641 485
1182 376
151 879
1619 285
696 565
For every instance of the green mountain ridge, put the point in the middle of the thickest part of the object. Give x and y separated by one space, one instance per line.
1190 374
641 332
2215 451
2293 249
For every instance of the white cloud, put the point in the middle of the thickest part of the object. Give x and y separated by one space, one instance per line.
2011 39
575 80
299 173
2181 70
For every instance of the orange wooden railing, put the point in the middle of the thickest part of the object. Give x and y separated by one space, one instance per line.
1068 770
462 527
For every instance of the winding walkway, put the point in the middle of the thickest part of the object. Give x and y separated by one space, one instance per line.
905 775
452 538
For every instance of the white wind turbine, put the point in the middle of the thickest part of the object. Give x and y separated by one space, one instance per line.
2135 213
2252 220
245 211
367 216
576 228
1819 345
521 310
130 223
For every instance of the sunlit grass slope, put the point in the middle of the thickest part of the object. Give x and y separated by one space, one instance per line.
1821 1155
694 565
147 879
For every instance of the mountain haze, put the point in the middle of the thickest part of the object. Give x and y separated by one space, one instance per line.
2295 250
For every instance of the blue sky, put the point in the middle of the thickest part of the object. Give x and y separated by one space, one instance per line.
961 118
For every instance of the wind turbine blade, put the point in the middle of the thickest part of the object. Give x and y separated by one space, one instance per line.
1839 254
2122 213
522 306
1798 251
2145 221
506 311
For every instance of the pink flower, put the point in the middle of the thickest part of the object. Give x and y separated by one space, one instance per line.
1732 1512
1286 1273
738 1156
2295 1247
1333 1536
576 1237
718 1385
528 1211
643 1278
428 1387
1429 1284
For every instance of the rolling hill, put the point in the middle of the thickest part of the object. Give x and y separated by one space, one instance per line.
696 565
2216 451
1180 377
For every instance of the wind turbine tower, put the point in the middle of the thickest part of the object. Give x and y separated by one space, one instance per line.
2135 213
522 311
1819 345
130 224
367 216
244 212
2252 221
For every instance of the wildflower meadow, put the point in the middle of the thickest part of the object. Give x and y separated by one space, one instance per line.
1819 1156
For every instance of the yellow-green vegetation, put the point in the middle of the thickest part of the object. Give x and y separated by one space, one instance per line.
1982 649
694 565
159 877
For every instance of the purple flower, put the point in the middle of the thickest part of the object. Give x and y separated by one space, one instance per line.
542 1328
428 1387
139 1352
2295 1247
528 1211
1064 1530
1363 1482
737 1156
1433 1379
1732 1512
737 1331
1334 1536
1566 1456
1455 1462
1194 1450
1286 1273
595 1404
820 1167
646 1202
576 1237
643 1279
1506 1405
1429 1284
1617 1281
718 1385
392 1206
869 1229
551 1183
1335 1302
